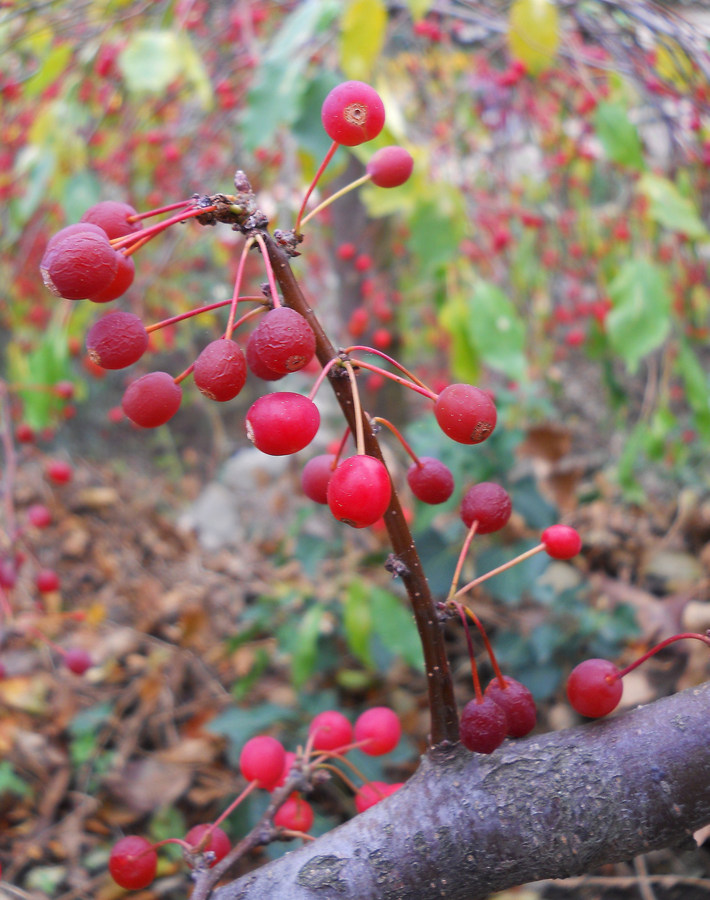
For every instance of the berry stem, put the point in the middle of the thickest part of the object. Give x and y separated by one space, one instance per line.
160 210
472 656
183 375
138 238
462 556
489 649
705 638
498 569
269 270
357 409
396 378
321 376
237 284
173 320
379 420
321 168
442 703
393 362
336 196
232 806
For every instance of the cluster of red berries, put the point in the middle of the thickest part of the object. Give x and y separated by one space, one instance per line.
265 763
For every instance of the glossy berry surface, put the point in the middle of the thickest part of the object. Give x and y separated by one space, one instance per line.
77 660
430 480
561 541
79 265
217 843
353 113
133 863
152 399
315 477
220 370
489 504
594 688
113 216
296 814
390 166
262 760
483 725
116 340
517 703
283 340
282 423
379 730
330 730
465 413
359 491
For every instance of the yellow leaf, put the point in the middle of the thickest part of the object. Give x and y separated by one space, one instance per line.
673 64
533 33
362 35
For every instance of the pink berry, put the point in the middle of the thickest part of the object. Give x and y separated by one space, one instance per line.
316 476
487 503
77 660
116 340
283 340
379 730
359 491
430 480
221 370
330 730
133 863
282 423
483 725
296 814
465 413
113 216
353 113
46 581
594 688
218 843
390 166
39 515
517 703
262 760
152 399
561 541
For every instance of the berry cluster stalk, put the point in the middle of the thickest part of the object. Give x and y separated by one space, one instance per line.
406 562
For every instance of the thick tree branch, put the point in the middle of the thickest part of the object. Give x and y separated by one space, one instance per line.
549 806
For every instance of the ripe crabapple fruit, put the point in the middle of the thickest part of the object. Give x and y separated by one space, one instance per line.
262 760
359 491
517 703
489 504
257 366
46 581
430 480
465 413
113 216
372 792
390 166
39 515
283 340
77 660
122 280
59 471
561 541
220 370
133 863
296 814
353 113
378 729
316 476
330 730
79 265
484 725
594 688
218 843
152 399
282 423
116 340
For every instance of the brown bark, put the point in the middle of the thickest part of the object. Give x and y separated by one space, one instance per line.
549 806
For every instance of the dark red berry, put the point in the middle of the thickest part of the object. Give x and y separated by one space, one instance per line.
282 423
262 760
465 413
372 792
489 504
483 725
378 729
517 703
59 471
353 113
594 688
133 863
113 216
77 660
390 166
316 476
330 730
46 581
561 541
116 340
359 491
79 265
256 364
122 280
430 480
283 340
218 843
69 230
220 370
296 814
152 399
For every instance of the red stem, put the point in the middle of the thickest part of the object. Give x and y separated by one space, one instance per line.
705 638
326 159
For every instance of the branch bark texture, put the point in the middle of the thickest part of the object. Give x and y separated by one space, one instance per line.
549 806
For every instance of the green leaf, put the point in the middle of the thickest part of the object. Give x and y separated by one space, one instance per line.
305 654
436 228
363 28
34 168
463 356
357 620
10 782
393 623
418 8
697 387
496 330
618 135
670 208
639 321
53 65
80 192
239 724
151 60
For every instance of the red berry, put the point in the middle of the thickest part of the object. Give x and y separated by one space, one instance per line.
561 541
25 434
390 166
346 251
296 814
483 725
488 503
116 340
152 399
70 230
133 863
594 687
64 389
39 515
372 792
257 366
359 491
353 113
465 413
220 370
217 843
46 581
379 729
122 280
330 730
282 423
359 320
316 476
8 573
430 480
79 265
59 471
517 703
77 660
112 216
262 760
283 340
